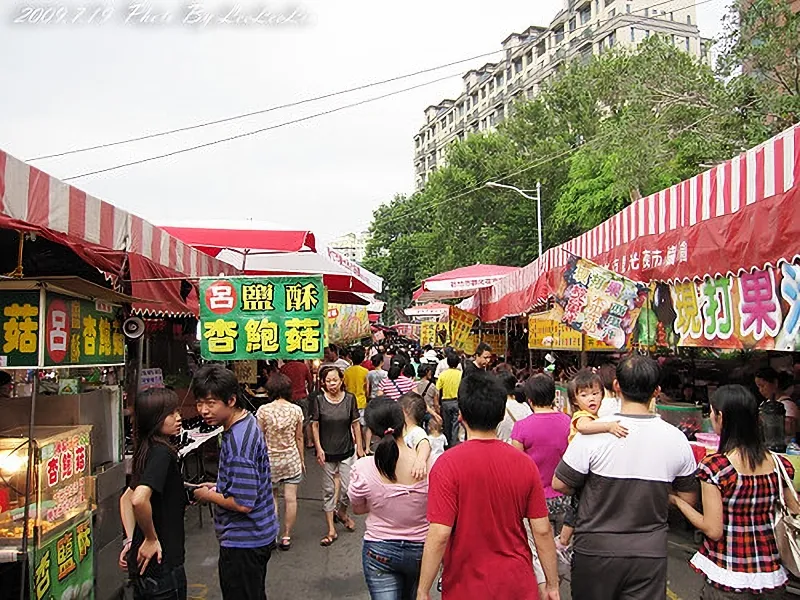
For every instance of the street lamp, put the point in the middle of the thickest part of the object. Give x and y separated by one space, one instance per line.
537 197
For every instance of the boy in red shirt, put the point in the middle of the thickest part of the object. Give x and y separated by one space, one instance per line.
488 487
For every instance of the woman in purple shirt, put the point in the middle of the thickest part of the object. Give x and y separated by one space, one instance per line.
544 437
396 505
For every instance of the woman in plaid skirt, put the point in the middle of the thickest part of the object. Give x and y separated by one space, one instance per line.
739 556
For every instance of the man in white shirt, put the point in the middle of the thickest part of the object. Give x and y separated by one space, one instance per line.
442 366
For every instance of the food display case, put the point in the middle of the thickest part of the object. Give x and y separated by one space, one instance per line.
63 487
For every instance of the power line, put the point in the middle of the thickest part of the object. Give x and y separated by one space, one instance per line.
313 99
260 112
294 121
257 131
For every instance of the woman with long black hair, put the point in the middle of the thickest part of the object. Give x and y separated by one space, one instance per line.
152 507
384 488
741 487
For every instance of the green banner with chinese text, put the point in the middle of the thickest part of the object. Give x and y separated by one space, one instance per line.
247 318
82 332
64 568
19 314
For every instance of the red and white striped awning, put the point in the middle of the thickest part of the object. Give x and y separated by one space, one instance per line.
740 215
101 233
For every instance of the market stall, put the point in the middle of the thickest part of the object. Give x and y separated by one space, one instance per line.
64 342
461 283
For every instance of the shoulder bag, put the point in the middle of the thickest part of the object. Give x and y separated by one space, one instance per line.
787 525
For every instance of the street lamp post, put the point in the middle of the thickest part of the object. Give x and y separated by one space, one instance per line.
524 193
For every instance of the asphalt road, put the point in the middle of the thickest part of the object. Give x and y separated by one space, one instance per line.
316 573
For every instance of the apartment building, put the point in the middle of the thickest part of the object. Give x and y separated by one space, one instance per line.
583 28
351 245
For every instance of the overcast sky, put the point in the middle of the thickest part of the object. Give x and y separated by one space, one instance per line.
76 84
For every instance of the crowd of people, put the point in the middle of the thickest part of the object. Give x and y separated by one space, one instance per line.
470 477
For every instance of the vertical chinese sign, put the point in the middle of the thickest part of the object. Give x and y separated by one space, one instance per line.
461 323
65 472
82 332
251 318
599 302
64 567
19 314
434 334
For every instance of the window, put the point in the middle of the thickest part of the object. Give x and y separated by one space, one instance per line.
633 34
540 49
596 7
673 39
646 33
530 57
689 19
646 12
572 24
450 118
612 39
559 35
517 66
628 8
671 16
508 75
688 44
586 16
498 80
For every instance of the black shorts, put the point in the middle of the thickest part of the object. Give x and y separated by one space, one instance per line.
618 578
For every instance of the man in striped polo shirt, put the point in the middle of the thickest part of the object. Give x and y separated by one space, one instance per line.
244 519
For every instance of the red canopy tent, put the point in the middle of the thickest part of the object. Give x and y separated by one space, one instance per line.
738 216
275 252
103 235
461 283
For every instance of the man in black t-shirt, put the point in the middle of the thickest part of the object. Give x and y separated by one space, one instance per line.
481 360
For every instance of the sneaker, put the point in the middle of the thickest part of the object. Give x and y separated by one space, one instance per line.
564 552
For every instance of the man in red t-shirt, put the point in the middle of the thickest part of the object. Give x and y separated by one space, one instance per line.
302 384
488 487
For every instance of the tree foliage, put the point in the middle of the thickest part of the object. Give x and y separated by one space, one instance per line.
597 136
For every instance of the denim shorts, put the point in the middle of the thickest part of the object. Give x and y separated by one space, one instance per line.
296 480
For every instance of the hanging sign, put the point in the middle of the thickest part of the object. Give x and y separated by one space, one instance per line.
251 318
598 302
544 333
461 323
347 323
19 315
759 310
434 334
82 332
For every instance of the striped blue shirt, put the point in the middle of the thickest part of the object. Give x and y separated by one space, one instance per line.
244 473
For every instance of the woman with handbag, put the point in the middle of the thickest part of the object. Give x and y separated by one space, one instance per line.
744 487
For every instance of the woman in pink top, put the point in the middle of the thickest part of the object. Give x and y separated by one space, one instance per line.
396 504
543 436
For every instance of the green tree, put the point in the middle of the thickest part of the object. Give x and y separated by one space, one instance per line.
761 48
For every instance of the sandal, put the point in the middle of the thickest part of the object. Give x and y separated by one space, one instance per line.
349 524
328 540
285 543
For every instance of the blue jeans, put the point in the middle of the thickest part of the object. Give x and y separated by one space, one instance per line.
391 569
450 421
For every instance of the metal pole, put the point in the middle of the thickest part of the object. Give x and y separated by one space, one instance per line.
539 214
27 563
